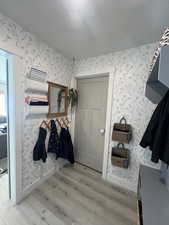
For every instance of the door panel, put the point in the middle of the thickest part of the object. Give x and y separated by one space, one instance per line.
90 118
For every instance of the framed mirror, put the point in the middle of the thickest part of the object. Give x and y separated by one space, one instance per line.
57 97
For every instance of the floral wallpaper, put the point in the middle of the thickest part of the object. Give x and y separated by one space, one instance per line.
130 70
37 54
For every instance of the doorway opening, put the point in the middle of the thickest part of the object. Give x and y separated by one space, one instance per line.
4 125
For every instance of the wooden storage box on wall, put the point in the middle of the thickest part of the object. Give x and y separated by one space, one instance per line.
120 156
122 132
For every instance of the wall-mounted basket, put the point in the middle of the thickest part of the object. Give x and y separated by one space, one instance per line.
120 156
122 132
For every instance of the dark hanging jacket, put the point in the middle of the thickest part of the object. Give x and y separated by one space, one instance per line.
156 136
66 146
54 143
39 151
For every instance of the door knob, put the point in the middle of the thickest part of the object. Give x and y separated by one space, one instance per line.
102 131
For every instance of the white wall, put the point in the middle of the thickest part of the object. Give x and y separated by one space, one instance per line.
34 53
130 69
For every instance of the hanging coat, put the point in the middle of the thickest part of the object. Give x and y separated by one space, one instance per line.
156 136
66 146
54 143
39 151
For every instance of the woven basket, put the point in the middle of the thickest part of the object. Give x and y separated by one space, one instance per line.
122 132
120 156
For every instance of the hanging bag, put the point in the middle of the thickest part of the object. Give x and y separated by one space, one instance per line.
120 156
122 132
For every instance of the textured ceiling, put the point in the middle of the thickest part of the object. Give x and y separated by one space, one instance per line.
84 28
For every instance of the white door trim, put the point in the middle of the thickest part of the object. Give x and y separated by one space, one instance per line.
15 118
108 127
11 49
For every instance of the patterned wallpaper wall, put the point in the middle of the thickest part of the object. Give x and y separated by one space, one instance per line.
130 70
59 69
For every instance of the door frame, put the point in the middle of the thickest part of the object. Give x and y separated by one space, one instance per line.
15 121
108 126
15 118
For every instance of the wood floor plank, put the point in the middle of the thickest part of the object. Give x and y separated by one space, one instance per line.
103 189
13 216
2 222
73 196
54 207
71 208
30 214
44 213
97 176
98 202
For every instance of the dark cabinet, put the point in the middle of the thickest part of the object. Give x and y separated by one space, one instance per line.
153 198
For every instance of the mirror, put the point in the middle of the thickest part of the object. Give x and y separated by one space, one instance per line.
57 97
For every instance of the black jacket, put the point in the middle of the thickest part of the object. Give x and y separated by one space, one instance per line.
156 135
39 151
66 146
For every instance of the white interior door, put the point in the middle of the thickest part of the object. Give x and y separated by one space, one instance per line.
91 121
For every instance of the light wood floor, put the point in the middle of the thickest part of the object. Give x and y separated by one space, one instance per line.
74 196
